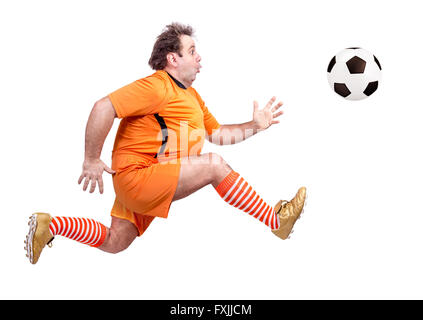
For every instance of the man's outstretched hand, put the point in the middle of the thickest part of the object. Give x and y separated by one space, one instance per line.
264 118
92 172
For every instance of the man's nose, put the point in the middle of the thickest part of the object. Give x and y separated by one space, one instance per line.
198 57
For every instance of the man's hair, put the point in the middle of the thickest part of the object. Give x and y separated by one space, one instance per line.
168 41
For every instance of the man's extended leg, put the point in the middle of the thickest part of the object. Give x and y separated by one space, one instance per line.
197 172
43 228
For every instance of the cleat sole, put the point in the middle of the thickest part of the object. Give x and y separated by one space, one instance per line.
29 238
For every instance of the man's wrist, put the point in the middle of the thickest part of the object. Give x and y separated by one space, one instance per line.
254 126
91 159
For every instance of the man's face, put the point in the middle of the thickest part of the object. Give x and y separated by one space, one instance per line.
189 63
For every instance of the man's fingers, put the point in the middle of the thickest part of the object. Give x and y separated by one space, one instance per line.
107 169
255 106
271 101
87 181
93 184
278 114
92 174
81 178
277 106
100 185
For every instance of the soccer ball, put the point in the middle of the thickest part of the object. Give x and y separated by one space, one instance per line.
354 73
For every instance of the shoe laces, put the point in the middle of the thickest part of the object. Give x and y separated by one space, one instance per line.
283 205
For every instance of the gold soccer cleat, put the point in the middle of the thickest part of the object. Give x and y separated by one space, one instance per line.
38 236
288 212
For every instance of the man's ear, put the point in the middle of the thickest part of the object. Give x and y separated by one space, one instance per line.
171 59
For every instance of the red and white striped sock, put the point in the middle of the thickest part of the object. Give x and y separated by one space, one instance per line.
83 230
238 193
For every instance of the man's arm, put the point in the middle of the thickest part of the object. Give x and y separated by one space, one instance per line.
234 133
99 124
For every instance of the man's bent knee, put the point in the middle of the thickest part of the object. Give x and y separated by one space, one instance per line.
114 244
119 236
219 168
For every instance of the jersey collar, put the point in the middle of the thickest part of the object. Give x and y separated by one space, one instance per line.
179 84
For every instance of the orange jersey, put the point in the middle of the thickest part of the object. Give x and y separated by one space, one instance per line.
162 120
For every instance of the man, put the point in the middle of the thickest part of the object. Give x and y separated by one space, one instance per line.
157 154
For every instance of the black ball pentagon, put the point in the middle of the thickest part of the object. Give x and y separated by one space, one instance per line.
356 65
341 89
331 64
377 62
371 87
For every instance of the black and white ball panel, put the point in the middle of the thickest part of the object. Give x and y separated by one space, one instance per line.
354 73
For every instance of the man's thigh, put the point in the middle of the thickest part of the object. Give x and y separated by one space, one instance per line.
199 171
146 190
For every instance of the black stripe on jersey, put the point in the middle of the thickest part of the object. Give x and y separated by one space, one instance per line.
180 85
163 126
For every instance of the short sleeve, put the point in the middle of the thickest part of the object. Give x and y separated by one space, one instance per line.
210 122
141 97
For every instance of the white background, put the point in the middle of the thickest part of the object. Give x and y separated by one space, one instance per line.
361 233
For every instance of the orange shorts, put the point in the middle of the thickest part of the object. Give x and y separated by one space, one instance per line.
144 191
